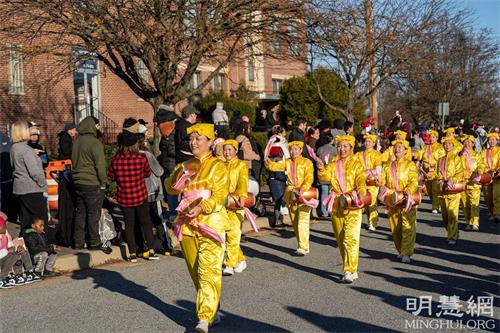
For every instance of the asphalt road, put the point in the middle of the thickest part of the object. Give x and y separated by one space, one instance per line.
278 292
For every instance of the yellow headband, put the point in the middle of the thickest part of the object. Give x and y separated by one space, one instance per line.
433 132
300 144
202 129
467 137
348 138
403 142
372 137
493 135
402 133
449 130
448 138
233 143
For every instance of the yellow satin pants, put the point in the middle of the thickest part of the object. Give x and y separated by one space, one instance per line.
470 203
347 229
493 198
433 192
233 238
204 258
372 210
450 205
404 229
300 216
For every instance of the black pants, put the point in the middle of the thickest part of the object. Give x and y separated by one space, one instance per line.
32 205
140 214
88 212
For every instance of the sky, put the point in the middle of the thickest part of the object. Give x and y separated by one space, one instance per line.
487 13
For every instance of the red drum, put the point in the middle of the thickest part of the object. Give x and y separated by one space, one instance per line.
372 181
485 179
346 201
249 202
457 188
399 198
312 193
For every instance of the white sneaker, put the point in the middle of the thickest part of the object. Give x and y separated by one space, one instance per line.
475 228
371 228
406 259
228 271
300 252
284 210
434 211
202 326
348 277
240 267
355 275
452 242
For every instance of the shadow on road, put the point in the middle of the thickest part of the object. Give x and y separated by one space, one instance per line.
336 324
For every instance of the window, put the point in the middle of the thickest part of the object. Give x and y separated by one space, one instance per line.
294 48
277 84
219 82
251 70
142 70
16 77
195 80
276 44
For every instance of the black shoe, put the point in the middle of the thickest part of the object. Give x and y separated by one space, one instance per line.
33 277
106 249
153 256
132 258
4 284
17 280
50 274
94 247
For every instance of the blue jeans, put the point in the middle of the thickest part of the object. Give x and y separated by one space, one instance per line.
323 193
277 192
173 202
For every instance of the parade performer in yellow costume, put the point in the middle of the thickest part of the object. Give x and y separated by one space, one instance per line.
388 154
401 175
300 174
238 189
372 163
429 156
491 159
457 146
346 175
450 175
202 221
473 166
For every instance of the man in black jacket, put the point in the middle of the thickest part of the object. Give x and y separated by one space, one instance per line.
66 141
182 150
298 133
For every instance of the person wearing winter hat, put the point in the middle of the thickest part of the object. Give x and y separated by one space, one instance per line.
66 137
129 169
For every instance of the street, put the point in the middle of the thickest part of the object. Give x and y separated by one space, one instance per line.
279 292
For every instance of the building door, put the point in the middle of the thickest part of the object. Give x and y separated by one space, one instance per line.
86 87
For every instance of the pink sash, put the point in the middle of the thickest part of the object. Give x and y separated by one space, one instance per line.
310 203
4 241
329 201
252 218
429 154
312 153
271 141
394 173
339 172
488 158
468 158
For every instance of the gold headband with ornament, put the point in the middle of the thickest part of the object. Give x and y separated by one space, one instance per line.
202 129
347 138
372 137
300 144
403 142
401 133
233 143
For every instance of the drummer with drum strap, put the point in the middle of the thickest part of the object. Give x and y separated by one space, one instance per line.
300 176
346 201
451 181
399 190
491 158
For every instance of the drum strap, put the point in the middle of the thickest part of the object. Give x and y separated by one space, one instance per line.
394 174
340 173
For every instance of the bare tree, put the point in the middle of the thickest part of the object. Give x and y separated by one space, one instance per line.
171 38
367 41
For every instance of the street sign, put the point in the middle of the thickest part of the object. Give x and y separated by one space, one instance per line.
444 109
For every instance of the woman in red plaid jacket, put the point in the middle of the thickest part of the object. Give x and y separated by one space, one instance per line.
129 168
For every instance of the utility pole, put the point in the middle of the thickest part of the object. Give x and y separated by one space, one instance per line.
372 74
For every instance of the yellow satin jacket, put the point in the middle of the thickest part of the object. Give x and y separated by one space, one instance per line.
454 168
370 158
406 176
388 155
238 178
430 155
495 159
477 164
303 170
354 175
212 175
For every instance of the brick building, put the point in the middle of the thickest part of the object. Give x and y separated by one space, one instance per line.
29 92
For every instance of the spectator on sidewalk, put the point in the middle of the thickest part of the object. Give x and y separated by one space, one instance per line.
248 151
66 138
220 120
130 168
89 177
30 185
298 133
182 150
326 153
43 253
34 142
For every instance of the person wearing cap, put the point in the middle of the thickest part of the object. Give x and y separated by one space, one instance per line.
181 137
66 138
89 178
429 156
473 166
388 154
34 142
129 169
131 125
346 175
457 146
203 183
491 160
401 175
220 120
218 149
300 172
450 173
372 164
238 189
